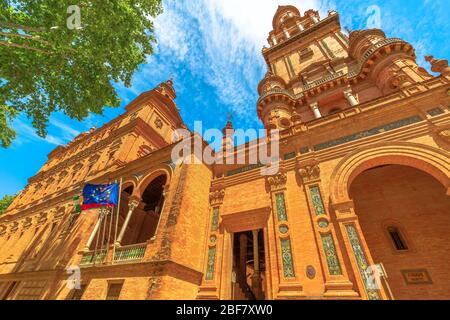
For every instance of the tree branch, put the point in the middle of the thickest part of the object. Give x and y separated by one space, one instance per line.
23 46
10 25
24 36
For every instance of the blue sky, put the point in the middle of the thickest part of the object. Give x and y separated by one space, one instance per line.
212 50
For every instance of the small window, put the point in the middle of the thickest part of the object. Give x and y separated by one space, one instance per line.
397 239
114 290
77 294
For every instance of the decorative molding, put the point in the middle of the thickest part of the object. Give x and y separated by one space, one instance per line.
277 181
310 173
216 197
368 133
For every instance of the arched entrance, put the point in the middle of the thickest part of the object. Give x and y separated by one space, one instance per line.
404 214
413 182
145 217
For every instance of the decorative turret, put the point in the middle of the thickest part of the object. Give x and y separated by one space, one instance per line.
275 103
439 66
362 40
167 90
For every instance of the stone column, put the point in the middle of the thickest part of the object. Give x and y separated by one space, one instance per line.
286 33
256 280
94 233
131 207
315 109
243 257
274 40
350 97
315 19
300 26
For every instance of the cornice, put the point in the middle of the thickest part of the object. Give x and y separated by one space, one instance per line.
322 23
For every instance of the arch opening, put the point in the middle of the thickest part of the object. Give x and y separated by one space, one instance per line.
146 216
404 215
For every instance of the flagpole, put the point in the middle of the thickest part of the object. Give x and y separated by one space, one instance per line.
117 219
105 222
98 234
111 214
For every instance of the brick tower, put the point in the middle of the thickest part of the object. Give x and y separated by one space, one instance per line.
357 210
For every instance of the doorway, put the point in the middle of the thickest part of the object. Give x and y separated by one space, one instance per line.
249 266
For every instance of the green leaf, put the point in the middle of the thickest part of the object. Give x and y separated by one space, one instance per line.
45 67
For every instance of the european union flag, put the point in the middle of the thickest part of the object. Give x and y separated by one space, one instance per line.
103 195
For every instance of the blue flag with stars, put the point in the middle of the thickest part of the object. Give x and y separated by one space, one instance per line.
102 195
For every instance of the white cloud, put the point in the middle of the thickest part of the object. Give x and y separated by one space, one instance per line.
68 132
253 18
27 133
219 41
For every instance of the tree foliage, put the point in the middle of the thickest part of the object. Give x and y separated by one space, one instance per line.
5 203
47 66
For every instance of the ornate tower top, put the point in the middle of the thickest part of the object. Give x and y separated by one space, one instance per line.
315 70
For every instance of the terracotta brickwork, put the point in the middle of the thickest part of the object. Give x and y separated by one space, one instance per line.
364 168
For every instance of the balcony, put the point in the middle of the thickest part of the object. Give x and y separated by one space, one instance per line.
127 254
91 258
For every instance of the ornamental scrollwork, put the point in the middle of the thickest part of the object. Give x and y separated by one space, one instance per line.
277 181
216 197
310 173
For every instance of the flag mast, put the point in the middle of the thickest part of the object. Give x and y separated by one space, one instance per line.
117 219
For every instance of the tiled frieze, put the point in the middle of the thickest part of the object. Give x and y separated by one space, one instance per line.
210 267
288 263
361 261
334 267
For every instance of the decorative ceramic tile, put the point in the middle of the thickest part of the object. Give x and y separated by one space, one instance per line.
368 133
281 207
323 224
211 263
304 150
435 112
362 262
289 156
288 263
316 198
334 267
215 220
284 229
244 169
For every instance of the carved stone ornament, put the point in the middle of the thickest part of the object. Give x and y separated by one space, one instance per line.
438 65
277 181
216 197
310 173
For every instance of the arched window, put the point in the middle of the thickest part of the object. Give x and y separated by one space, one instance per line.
397 239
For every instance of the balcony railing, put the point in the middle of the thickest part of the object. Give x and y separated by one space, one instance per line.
130 253
91 257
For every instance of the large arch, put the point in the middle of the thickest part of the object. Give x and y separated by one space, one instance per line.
425 158
155 173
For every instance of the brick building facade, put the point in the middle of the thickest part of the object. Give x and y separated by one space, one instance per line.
364 179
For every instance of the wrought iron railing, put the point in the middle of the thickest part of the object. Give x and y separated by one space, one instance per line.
130 253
